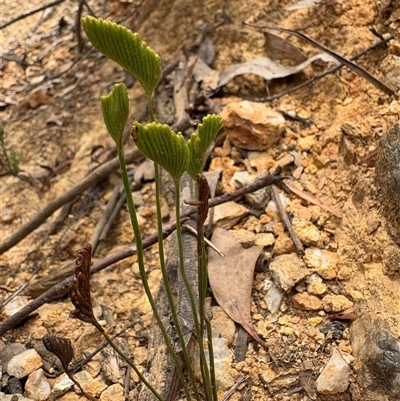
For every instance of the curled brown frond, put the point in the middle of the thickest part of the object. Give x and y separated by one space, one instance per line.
79 292
61 347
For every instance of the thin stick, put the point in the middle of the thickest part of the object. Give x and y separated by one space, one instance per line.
92 179
112 218
285 218
105 219
36 10
207 241
233 389
53 292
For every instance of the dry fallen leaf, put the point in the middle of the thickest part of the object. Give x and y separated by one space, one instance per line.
311 198
267 68
280 49
231 278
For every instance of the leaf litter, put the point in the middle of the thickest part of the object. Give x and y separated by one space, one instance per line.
237 269
267 68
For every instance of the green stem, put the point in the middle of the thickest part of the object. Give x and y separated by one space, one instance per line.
170 296
166 279
132 364
140 255
211 356
150 108
203 268
203 361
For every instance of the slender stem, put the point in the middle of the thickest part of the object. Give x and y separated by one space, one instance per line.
139 250
203 268
167 284
203 361
211 356
132 364
169 293
150 108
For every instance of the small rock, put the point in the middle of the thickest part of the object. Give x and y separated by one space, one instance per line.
94 367
222 325
284 245
336 303
14 385
23 364
377 353
138 198
305 144
262 161
335 376
307 232
284 161
13 397
222 361
304 301
7 215
93 387
228 214
144 172
37 386
267 374
264 239
140 355
14 306
315 285
257 199
245 237
273 297
8 352
62 384
71 396
252 126
322 261
113 393
287 270
272 209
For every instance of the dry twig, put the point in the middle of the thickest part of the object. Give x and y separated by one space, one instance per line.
285 218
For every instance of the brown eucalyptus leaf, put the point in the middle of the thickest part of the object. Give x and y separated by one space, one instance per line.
280 48
312 199
231 278
267 68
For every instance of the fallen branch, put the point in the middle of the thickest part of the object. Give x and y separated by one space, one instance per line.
92 179
60 288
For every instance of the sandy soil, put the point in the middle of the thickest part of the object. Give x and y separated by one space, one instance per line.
52 119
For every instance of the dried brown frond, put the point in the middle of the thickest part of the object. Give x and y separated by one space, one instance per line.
79 292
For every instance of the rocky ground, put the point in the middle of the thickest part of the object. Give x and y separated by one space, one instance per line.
330 317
